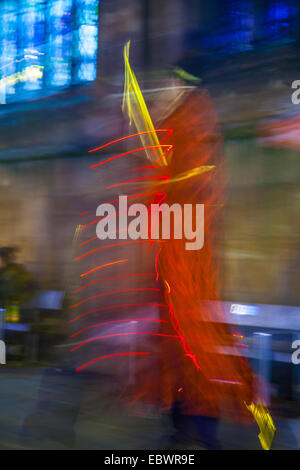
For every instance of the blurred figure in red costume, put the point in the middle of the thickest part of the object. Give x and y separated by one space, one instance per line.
196 380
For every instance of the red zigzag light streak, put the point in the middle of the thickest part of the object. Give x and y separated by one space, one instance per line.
174 320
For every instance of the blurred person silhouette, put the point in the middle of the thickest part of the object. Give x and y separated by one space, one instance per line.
16 283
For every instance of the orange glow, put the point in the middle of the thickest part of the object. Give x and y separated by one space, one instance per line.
168 286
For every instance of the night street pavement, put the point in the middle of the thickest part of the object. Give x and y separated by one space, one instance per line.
88 421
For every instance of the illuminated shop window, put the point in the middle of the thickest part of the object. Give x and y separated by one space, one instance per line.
46 45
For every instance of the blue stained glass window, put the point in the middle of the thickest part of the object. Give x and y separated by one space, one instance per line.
8 49
59 45
46 45
86 39
31 39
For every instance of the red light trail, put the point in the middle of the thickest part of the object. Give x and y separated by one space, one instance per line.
119 306
176 326
156 262
143 168
116 292
106 217
169 147
143 178
109 278
119 321
115 244
117 200
103 266
112 355
122 334
169 132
